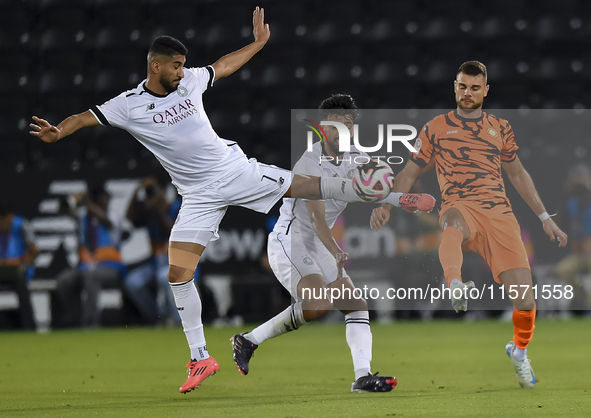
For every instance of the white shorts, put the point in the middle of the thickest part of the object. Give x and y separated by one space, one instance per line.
255 186
291 259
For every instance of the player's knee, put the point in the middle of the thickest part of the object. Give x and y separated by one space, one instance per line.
351 305
453 219
315 309
323 306
178 274
361 305
527 303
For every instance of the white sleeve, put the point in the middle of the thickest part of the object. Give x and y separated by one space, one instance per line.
113 112
205 76
308 165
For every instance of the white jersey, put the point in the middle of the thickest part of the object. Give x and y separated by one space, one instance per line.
293 212
175 129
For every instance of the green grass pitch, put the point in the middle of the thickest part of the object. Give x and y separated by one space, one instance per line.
444 368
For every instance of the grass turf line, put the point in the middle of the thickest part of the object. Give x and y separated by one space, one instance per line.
444 368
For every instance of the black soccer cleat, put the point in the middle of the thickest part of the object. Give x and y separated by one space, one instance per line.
373 383
242 351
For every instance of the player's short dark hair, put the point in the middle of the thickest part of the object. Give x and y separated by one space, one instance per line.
169 46
473 68
339 101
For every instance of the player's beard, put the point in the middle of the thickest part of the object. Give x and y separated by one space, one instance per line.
471 106
168 85
334 147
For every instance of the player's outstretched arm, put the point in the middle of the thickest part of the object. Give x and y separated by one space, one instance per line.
317 213
524 185
49 133
402 184
228 64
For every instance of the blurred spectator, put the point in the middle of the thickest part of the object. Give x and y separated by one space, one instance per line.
17 253
149 208
578 221
100 262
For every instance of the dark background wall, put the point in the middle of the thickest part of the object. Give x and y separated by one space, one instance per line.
62 56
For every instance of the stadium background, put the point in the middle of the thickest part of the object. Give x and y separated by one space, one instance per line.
63 56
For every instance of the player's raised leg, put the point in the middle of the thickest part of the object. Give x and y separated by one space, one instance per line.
359 340
455 231
297 314
524 316
310 187
183 259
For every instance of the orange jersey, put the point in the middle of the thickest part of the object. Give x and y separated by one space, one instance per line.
468 154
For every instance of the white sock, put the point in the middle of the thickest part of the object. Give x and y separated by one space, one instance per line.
393 199
290 319
188 304
359 339
342 189
519 353
339 189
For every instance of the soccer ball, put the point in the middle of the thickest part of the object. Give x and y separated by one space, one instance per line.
373 181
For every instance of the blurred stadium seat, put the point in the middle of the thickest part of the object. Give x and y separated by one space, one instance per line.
110 83
16 21
65 13
128 13
332 74
288 21
384 74
502 27
444 29
64 92
122 38
66 55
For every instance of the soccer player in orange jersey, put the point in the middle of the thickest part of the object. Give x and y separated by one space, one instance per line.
468 147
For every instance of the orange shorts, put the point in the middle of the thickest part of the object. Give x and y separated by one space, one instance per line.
495 235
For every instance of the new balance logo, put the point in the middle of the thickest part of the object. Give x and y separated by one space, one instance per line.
181 308
151 106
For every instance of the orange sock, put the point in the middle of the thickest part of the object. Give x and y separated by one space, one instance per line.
523 327
450 254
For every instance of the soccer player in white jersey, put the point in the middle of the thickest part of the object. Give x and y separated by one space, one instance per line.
165 113
306 258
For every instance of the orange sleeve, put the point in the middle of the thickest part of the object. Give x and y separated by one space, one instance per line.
509 150
424 144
